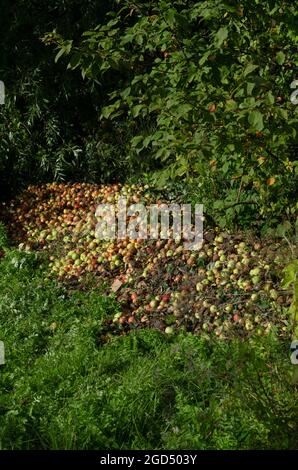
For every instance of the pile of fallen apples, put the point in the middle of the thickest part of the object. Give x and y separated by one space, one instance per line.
231 285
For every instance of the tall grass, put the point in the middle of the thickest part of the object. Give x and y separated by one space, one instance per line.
69 384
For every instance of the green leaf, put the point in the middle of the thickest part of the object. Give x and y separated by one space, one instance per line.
255 119
280 57
136 140
282 229
218 204
183 110
147 140
74 61
269 98
231 105
248 103
221 36
108 110
290 273
68 46
283 113
225 168
65 49
60 54
170 17
249 69
249 87
136 109
125 93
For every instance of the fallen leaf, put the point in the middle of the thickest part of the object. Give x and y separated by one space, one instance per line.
116 285
271 181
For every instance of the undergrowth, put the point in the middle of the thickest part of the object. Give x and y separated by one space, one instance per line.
69 384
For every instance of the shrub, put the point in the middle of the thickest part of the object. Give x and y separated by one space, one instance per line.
211 80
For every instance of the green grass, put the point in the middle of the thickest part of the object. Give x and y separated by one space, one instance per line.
68 384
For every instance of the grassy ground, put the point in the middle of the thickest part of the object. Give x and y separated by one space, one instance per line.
68 384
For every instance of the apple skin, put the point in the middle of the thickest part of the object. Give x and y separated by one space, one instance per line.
153 304
255 280
273 294
229 308
254 272
169 330
166 297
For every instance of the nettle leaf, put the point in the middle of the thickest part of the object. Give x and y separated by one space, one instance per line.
224 74
269 98
204 58
219 204
129 37
231 105
249 69
240 93
147 140
283 229
249 87
283 113
135 141
225 167
137 109
221 36
248 103
290 274
183 110
280 58
170 17
255 119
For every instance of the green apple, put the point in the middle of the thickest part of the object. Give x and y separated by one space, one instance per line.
273 294
169 330
254 272
255 280
228 308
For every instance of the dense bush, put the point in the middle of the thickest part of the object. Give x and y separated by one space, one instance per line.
49 124
195 92
205 90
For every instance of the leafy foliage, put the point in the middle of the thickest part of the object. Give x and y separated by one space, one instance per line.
3 237
67 384
192 95
49 123
291 281
212 82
